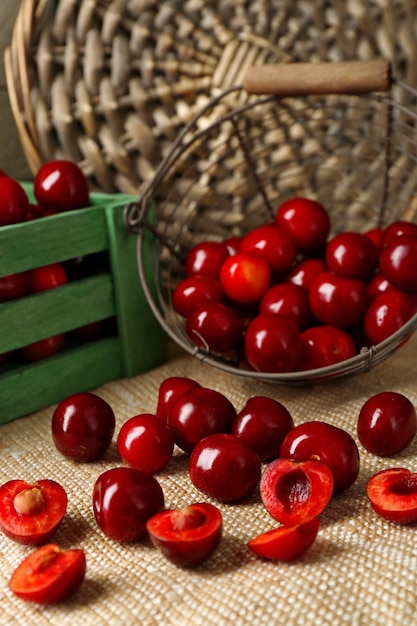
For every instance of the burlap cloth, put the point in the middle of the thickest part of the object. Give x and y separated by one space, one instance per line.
361 570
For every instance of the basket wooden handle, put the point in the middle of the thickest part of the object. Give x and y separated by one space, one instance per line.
299 79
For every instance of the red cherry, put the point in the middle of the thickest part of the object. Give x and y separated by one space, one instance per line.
44 348
295 492
215 327
198 413
303 272
61 185
271 243
398 263
30 513
245 278
170 390
387 423
397 229
352 255
14 202
376 235
232 244
286 543
263 423
13 286
206 259
82 426
386 314
47 277
307 221
289 300
393 495
325 345
336 300
49 575
188 536
272 344
224 467
332 445
146 443
124 499
195 290
379 284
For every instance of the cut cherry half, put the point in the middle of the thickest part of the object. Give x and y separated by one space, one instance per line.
286 543
393 494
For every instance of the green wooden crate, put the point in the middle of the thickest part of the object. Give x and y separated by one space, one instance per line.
137 343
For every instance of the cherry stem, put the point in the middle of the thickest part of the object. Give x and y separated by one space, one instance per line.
29 501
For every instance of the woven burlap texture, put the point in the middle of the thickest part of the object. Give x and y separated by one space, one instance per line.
361 570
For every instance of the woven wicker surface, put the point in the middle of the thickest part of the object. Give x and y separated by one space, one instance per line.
110 83
360 571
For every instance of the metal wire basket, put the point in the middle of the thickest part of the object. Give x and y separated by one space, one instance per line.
243 154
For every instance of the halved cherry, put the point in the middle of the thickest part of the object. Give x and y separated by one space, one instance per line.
30 513
187 536
294 492
286 543
393 494
49 575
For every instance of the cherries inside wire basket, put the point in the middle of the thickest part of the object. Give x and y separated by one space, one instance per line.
245 153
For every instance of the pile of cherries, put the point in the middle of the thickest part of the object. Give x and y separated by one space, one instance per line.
287 296
297 469
59 186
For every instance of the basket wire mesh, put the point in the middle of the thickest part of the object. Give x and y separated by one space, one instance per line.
243 155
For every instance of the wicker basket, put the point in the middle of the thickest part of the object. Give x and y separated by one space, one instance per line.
110 83
243 155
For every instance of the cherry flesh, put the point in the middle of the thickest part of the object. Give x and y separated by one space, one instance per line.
286 543
186 537
294 492
393 495
224 467
124 499
387 423
82 426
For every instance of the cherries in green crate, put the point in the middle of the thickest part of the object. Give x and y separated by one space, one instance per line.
338 279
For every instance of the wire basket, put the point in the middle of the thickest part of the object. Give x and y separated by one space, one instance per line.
243 154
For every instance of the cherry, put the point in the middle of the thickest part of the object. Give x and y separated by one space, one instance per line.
215 327
224 467
232 244
30 513
397 229
195 290
307 221
378 284
286 543
387 423
61 185
352 255
303 272
330 444
325 345
272 343
376 235
289 300
295 492
170 390
82 426
245 278
393 495
13 286
386 314
124 499
14 202
145 442
49 575
198 413
206 259
336 300
188 536
263 423
273 244
43 348
398 262
47 277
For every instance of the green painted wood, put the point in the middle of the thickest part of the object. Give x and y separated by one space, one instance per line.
55 311
29 388
143 342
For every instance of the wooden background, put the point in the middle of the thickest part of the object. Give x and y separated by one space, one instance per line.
12 159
